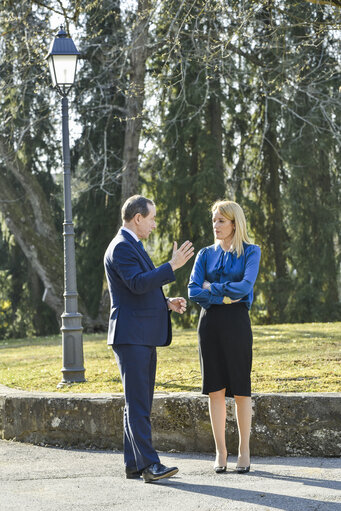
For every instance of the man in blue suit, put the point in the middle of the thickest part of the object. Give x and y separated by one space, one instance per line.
139 321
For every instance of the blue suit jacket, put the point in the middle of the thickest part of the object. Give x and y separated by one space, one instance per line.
139 312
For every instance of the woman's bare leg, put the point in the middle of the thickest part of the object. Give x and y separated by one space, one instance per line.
217 408
244 416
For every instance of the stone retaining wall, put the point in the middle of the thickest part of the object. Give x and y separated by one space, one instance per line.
283 424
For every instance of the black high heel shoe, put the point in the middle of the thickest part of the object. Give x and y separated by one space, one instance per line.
220 469
243 470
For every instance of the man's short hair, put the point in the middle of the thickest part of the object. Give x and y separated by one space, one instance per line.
135 204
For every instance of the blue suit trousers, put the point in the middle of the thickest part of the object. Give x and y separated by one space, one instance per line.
137 365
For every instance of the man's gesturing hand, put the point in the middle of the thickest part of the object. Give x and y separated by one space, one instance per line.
181 255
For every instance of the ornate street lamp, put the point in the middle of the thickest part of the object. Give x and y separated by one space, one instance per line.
62 59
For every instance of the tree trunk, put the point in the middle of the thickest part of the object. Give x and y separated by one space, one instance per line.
273 192
29 218
271 187
134 100
214 115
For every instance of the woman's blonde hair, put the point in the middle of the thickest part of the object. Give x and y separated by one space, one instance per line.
232 211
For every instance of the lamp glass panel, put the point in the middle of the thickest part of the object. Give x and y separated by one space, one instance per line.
53 75
65 68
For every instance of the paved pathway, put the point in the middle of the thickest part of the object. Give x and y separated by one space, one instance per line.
34 478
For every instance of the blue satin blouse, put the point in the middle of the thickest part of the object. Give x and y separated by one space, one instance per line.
229 275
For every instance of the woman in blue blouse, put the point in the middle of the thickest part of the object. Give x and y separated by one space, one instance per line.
222 282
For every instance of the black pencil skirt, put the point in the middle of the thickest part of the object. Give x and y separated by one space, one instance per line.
225 349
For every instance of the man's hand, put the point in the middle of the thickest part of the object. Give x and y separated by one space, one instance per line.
181 255
177 304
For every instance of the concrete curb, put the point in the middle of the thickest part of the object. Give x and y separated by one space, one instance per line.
295 424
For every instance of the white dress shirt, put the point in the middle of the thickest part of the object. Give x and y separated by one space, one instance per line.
131 233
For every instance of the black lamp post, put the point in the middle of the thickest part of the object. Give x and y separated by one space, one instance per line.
62 58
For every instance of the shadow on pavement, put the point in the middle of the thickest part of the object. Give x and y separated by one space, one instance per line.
271 500
324 483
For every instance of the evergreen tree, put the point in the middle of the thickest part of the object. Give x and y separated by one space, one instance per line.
185 171
27 160
98 151
241 102
268 215
313 188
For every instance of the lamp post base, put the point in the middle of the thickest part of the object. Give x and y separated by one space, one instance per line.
71 376
72 342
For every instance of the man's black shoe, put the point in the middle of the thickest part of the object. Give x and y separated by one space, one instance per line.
158 471
132 473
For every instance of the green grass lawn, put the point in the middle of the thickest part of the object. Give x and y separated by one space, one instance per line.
287 358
